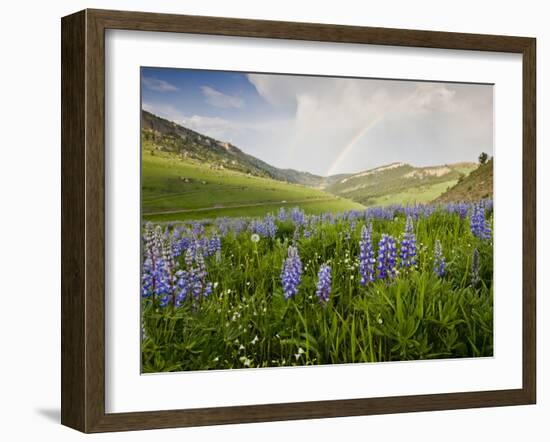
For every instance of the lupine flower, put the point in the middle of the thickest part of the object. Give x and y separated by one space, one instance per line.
292 273
324 283
215 244
386 257
224 225
407 252
478 224
282 214
439 260
488 204
162 283
366 255
475 268
270 226
298 216
181 287
198 229
189 257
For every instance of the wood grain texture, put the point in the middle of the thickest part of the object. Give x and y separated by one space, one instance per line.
83 220
73 253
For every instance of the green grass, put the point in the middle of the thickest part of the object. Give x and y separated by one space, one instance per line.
247 322
403 184
172 184
421 194
313 207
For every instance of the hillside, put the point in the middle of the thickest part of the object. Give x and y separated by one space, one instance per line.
399 183
396 183
168 136
477 185
178 189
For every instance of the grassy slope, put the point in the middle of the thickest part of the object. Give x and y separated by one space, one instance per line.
477 185
170 184
420 194
394 187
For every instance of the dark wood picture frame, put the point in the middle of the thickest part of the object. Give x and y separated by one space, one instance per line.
83 220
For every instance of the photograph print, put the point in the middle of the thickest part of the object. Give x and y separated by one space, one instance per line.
296 220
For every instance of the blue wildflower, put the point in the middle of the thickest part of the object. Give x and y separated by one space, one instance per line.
292 273
181 287
298 216
366 255
270 227
478 224
407 251
215 244
323 283
386 257
439 260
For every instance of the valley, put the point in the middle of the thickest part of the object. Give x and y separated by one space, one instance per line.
187 175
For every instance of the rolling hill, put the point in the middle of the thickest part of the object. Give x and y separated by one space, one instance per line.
178 189
477 185
168 136
399 183
188 175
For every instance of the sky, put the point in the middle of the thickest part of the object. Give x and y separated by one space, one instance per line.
327 125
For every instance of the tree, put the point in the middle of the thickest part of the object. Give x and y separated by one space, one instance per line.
483 158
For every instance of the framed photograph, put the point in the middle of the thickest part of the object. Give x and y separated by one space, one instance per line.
267 220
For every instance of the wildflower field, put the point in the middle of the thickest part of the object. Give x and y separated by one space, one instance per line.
381 284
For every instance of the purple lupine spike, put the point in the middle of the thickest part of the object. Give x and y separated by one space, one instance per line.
407 251
323 283
163 283
291 274
386 257
298 216
282 214
189 257
366 255
439 260
181 287
478 224
198 229
270 227
215 244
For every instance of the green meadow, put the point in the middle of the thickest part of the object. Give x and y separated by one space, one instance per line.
179 189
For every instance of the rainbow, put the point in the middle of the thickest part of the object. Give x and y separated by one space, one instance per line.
361 132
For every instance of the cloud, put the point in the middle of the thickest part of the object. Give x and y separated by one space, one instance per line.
219 99
215 127
330 125
157 85
348 125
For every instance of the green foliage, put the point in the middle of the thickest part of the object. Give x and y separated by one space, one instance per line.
247 322
477 185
